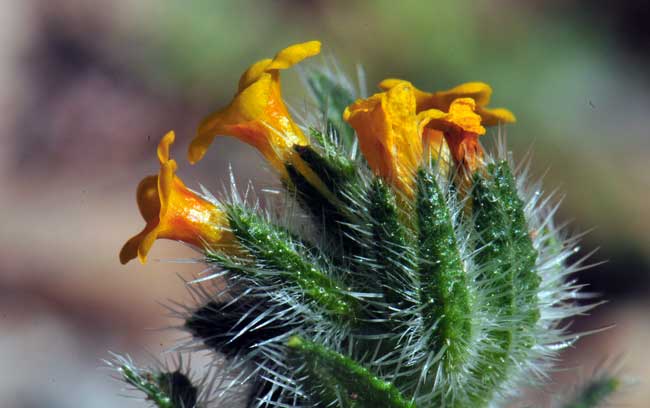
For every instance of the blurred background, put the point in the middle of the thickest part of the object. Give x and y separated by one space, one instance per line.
87 88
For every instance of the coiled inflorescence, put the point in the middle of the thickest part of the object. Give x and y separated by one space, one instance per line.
418 271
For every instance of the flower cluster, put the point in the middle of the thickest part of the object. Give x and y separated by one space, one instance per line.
398 130
428 272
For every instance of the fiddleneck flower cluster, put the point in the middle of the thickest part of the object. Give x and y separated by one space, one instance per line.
399 129
418 270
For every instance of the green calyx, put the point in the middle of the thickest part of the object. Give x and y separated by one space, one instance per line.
445 286
506 257
275 255
332 378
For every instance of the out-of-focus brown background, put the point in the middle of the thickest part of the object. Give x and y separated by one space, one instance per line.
87 88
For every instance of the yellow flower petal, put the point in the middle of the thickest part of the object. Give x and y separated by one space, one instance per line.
461 127
253 73
293 54
131 248
493 117
163 146
387 128
421 97
147 197
478 91
461 115
433 141
257 114
172 211
436 148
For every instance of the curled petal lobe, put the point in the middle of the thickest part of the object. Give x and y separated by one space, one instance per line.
478 91
293 54
172 211
257 114
493 117
147 197
149 205
284 59
164 145
253 73
461 115
421 97
461 127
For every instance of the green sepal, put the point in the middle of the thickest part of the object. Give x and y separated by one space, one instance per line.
332 99
393 253
507 258
275 254
331 209
332 379
502 224
315 202
333 169
444 291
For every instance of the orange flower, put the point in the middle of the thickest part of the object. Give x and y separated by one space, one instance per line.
390 134
478 91
257 114
461 127
172 211
435 147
